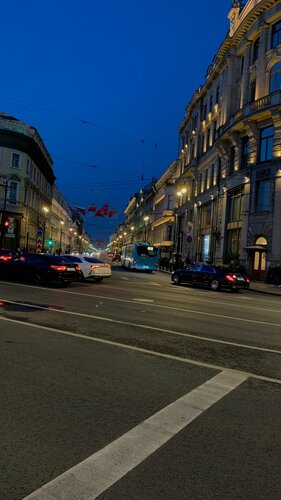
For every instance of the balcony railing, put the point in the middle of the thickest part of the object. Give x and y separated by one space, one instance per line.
261 104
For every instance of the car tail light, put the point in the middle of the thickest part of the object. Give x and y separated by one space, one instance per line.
230 278
248 280
78 268
98 266
59 269
5 257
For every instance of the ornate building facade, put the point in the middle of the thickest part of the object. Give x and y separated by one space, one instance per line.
27 179
227 180
230 160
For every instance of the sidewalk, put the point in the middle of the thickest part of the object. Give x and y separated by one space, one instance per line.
255 286
260 287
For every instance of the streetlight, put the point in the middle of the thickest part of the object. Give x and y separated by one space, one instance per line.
45 211
146 219
62 223
70 238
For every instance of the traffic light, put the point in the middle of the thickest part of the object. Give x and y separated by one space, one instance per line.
50 242
7 223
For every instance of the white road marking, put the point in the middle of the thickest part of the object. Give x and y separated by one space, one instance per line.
97 473
195 299
190 311
143 300
142 326
137 349
123 278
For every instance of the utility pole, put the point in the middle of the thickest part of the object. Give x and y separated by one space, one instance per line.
5 186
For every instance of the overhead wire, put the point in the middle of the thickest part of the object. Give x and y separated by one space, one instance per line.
85 122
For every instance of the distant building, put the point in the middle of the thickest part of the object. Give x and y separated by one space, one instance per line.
227 181
26 181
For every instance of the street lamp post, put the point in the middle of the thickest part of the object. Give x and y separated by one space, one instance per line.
5 186
62 223
45 210
70 238
146 219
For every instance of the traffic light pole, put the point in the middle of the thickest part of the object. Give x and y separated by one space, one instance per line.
5 186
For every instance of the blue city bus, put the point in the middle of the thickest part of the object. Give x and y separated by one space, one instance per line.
140 256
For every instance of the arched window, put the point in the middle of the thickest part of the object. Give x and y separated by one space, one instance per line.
275 77
261 241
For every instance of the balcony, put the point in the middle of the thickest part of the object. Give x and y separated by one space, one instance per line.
252 108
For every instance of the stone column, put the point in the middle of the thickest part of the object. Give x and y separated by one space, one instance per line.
246 74
276 118
261 87
228 91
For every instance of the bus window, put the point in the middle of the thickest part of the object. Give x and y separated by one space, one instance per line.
147 251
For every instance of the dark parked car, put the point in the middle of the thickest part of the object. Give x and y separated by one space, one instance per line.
6 255
211 276
5 258
43 269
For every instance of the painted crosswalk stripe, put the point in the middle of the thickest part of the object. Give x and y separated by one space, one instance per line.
96 474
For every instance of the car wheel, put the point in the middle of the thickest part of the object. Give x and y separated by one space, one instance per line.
39 278
214 285
64 283
98 280
176 280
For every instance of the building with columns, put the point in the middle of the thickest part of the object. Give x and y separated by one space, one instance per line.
226 182
230 159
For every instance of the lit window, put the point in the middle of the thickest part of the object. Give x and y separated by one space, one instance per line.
15 160
266 143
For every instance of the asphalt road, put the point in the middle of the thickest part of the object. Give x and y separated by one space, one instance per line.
137 389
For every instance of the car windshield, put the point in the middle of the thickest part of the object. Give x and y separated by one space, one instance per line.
56 259
93 260
72 258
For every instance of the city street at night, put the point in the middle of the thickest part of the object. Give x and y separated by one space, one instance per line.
135 388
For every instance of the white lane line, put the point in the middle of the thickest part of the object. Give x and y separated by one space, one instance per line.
97 473
137 349
143 300
191 311
142 326
105 297
123 278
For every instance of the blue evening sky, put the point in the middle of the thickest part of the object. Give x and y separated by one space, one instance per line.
127 66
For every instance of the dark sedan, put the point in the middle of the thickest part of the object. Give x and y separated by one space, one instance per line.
211 277
43 269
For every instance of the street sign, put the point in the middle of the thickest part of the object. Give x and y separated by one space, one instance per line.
40 232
